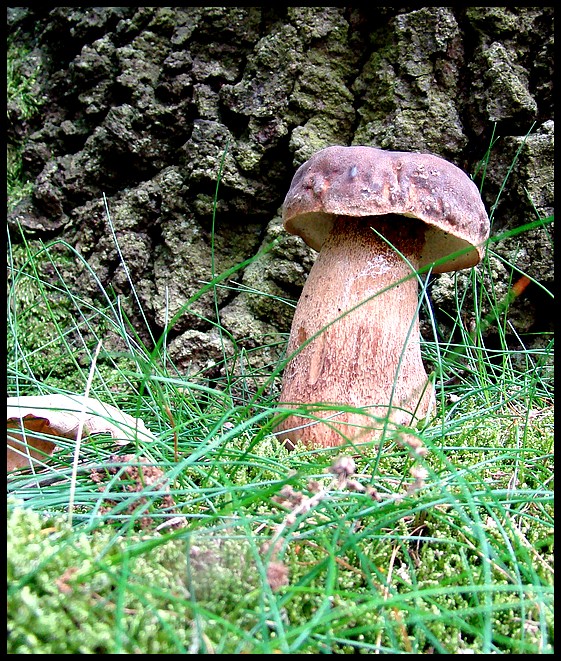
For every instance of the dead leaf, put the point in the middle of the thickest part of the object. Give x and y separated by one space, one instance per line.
60 416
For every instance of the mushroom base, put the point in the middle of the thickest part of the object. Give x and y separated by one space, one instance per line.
362 372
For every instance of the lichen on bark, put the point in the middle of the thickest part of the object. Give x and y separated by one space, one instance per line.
151 106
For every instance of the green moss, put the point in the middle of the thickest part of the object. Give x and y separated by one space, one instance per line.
40 318
49 324
445 570
17 186
22 77
88 593
493 447
439 596
24 103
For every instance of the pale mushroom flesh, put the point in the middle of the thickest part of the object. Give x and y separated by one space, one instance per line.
369 358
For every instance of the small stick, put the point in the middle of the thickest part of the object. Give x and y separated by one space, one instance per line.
175 441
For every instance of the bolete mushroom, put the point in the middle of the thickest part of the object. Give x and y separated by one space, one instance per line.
376 217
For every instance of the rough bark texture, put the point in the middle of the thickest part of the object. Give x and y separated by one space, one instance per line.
142 103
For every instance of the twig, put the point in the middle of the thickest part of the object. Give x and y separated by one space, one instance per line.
175 440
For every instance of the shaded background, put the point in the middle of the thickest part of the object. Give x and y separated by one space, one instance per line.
145 104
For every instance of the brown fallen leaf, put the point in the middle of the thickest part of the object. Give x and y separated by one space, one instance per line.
60 416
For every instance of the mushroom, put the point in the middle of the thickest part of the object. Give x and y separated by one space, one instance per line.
376 217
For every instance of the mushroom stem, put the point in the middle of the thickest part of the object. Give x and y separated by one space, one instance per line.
369 357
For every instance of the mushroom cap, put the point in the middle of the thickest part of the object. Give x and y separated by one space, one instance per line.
365 181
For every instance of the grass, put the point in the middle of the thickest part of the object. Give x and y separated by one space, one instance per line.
215 539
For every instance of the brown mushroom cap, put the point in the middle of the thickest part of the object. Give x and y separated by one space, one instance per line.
365 181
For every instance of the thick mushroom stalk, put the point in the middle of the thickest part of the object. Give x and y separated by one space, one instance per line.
369 358
430 213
